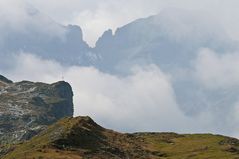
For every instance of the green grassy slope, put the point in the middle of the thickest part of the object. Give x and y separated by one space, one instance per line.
81 137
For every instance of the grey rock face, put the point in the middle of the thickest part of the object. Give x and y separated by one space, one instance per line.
4 79
154 40
26 108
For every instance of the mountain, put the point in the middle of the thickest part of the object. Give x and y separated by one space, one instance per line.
81 137
173 40
170 39
42 36
26 108
151 40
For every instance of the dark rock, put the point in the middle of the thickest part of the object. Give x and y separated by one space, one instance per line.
26 108
4 79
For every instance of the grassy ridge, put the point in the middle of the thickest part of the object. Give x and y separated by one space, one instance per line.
81 137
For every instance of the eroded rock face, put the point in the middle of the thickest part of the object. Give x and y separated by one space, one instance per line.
26 108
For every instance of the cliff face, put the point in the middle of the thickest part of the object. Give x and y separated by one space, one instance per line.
27 108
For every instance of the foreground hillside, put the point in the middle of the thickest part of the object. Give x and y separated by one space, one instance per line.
81 137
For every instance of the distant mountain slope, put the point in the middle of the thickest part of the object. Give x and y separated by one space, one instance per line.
173 40
81 137
26 108
38 34
170 39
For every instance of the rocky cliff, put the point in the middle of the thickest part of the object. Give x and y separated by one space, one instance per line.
26 108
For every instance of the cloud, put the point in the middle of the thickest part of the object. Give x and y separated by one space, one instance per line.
217 71
144 100
21 17
140 101
13 14
218 75
96 16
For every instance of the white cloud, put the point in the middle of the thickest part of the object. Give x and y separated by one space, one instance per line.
10 13
96 16
28 66
142 101
21 17
218 73
215 70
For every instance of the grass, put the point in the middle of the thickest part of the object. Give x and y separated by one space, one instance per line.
196 146
79 132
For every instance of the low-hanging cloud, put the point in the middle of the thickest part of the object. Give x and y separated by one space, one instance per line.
22 18
140 101
144 100
217 71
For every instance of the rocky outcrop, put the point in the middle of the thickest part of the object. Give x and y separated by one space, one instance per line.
27 108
